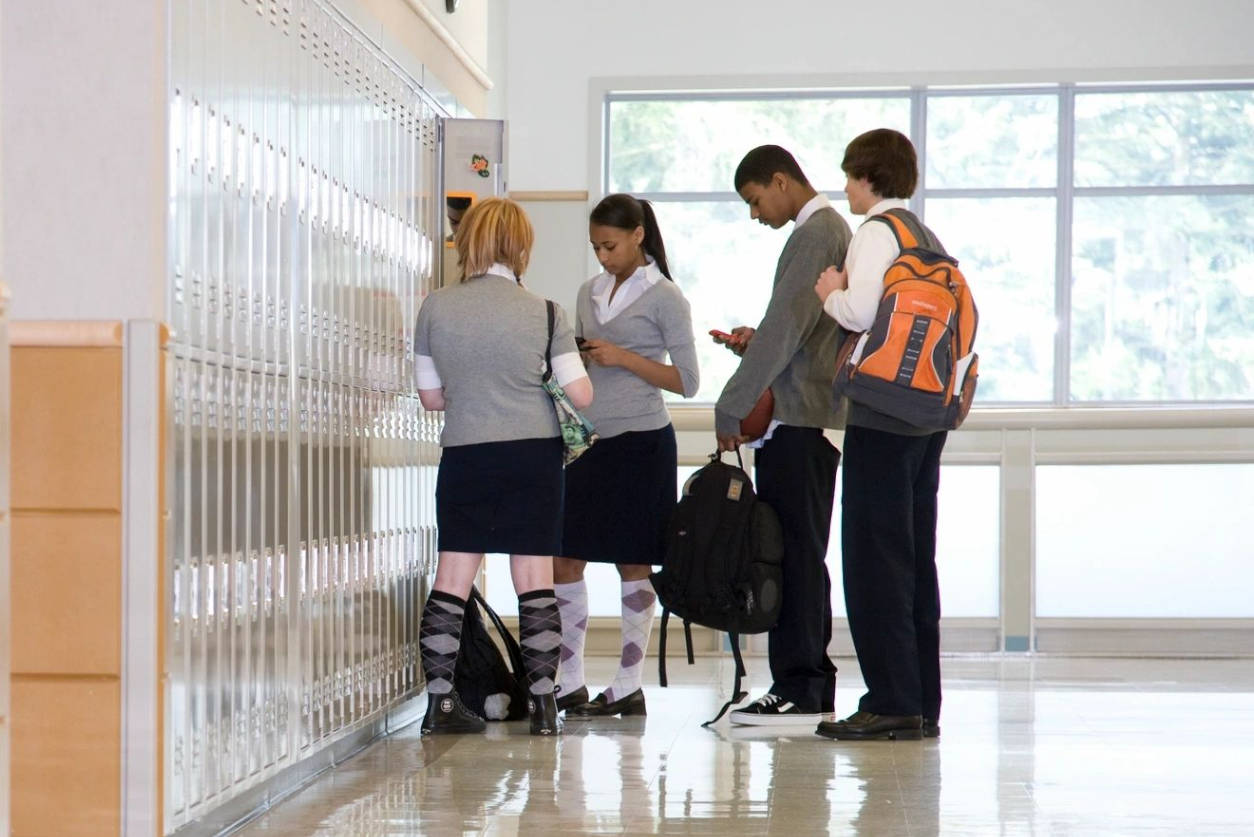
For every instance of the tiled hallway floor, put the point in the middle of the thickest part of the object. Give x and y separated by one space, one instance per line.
1028 746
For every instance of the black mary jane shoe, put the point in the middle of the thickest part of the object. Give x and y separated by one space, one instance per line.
544 720
601 706
447 715
566 701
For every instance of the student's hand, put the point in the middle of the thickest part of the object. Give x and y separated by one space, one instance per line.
730 441
830 281
603 352
738 341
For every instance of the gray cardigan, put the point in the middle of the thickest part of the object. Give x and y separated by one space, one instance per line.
794 349
654 325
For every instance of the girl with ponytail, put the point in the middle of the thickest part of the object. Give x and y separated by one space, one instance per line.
634 330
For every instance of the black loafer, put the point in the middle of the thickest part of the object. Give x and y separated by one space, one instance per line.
868 726
566 701
543 709
447 715
930 728
601 706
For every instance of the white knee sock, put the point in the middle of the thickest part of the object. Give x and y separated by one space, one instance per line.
572 602
638 602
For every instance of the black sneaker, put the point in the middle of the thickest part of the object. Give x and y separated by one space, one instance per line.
447 715
771 710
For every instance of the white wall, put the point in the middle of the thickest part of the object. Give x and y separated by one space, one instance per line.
557 46
84 147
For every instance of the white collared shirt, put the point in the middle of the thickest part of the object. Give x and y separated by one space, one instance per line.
607 303
498 269
872 250
812 206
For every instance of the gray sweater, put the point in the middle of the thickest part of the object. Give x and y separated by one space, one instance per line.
656 324
793 351
487 337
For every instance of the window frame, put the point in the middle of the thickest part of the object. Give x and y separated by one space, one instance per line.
1064 192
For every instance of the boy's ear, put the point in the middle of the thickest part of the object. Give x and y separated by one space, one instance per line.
780 179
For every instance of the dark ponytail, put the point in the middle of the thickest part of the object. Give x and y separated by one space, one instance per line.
626 213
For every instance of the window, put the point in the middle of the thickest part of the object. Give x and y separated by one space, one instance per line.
1108 232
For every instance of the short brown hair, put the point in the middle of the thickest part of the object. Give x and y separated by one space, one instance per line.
886 159
494 230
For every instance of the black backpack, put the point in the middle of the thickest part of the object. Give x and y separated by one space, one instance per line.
488 686
722 564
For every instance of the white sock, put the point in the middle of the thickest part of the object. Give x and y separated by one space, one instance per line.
572 602
638 605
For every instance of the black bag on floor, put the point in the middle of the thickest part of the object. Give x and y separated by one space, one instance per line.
722 565
488 685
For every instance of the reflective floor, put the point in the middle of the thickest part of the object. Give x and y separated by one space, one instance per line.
1044 746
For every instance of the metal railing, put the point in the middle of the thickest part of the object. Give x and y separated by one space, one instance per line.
303 228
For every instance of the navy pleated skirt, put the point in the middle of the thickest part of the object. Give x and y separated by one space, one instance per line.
501 497
619 499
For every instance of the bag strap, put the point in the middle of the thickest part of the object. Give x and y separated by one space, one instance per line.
717 456
688 640
901 230
737 694
661 650
548 346
512 649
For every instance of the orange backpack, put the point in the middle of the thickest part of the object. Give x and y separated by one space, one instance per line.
915 363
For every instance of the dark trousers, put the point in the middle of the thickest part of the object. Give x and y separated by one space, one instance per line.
796 476
888 537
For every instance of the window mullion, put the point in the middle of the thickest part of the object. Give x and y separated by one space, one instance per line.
918 135
1062 259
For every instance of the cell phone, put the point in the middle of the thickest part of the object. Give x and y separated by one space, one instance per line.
580 342
720 335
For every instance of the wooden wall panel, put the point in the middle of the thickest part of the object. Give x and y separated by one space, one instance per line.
66 769
67 569
67 428
67 580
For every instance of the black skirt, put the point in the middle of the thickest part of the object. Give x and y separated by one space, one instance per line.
619 499
501 497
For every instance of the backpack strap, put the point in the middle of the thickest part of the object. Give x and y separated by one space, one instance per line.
737 694
512 648
901 229
661 649
688 640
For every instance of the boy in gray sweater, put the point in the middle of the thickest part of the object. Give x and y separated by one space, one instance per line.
792 352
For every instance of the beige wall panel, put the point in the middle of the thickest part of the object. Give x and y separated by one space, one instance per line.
66 745
63 565
67 428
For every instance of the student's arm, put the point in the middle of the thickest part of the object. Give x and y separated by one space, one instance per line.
680 376
790 317
568 367
872 250
426 379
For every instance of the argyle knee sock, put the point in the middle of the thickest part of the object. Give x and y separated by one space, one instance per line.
638 601
440 638
572 603
540 635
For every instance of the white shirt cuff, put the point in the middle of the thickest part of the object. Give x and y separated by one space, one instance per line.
568 367
425 374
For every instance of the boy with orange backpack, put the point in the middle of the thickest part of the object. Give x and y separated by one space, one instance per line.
909 375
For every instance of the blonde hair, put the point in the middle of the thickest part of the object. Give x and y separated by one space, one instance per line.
494 230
